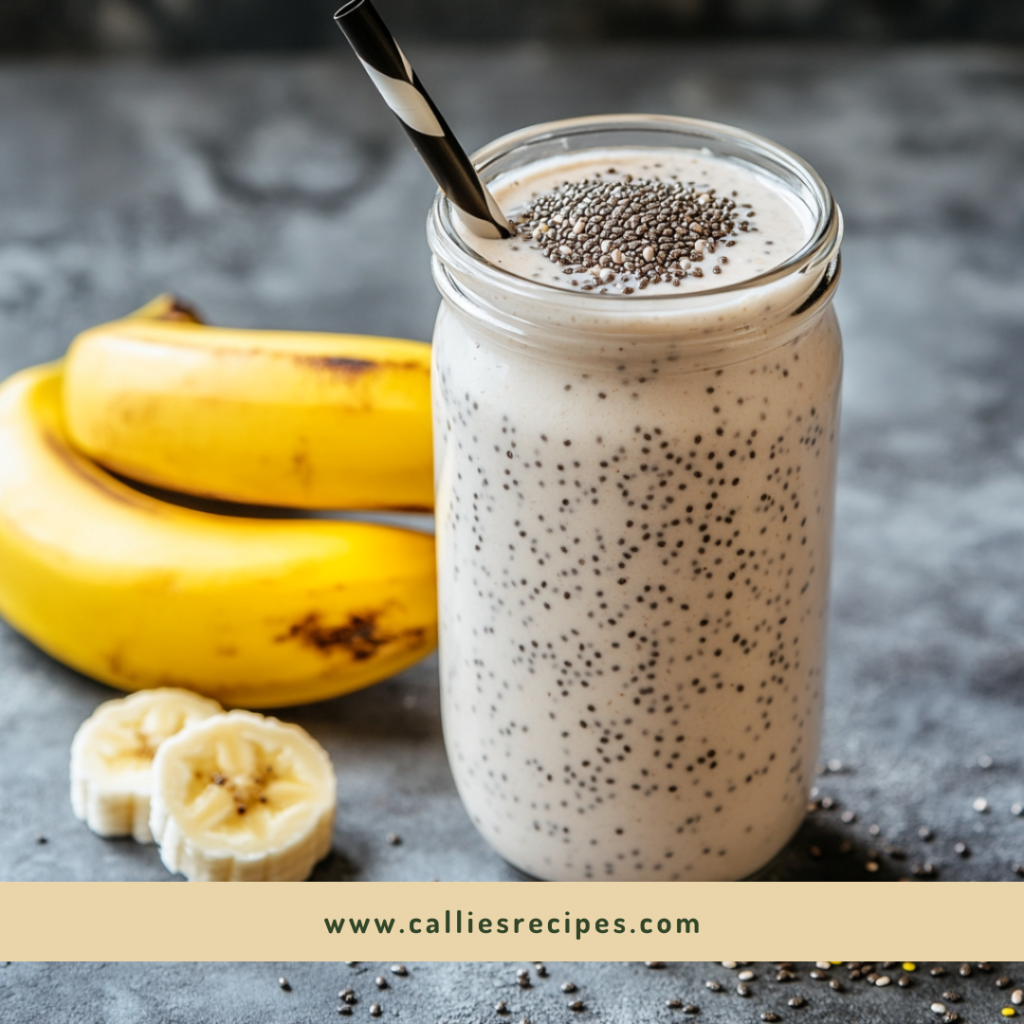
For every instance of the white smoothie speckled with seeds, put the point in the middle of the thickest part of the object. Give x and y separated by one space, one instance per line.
634 514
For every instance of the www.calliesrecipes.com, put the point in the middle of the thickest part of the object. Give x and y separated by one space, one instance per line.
460 922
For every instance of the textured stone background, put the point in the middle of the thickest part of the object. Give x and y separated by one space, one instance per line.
467 993
189 26
277 192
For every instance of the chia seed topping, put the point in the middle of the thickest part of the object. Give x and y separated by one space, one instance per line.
631 231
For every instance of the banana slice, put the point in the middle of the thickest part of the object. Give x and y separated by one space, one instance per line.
112 757
243 798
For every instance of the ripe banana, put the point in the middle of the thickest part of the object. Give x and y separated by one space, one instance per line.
139 593
112 757
286 418
243 798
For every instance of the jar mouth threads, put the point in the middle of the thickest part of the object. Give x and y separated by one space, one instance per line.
529 145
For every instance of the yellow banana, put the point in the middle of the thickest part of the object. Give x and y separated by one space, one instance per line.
286 418
139 593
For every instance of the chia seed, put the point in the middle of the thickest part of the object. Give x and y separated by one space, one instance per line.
629 230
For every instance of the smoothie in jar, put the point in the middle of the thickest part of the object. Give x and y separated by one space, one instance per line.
635 404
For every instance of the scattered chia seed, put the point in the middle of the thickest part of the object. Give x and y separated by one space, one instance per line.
345 1010
925 833
380 981
674 1004
962 849
796 1002
399 969
742 990
691 1009
283 982
568 986
1017 809
375 1010
981 805
714 986
1003 982
501 1006
394 839
576 1004
951 997
770 1017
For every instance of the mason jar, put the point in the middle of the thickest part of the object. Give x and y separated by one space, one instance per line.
634 512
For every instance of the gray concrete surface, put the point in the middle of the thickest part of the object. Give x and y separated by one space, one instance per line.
468 993
279 193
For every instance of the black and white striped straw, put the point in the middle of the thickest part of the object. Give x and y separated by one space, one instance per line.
404 94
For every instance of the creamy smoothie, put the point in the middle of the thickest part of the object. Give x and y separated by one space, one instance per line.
638 212
635 468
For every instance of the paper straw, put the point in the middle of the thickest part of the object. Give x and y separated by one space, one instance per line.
404 94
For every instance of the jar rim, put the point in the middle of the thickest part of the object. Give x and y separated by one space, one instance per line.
821 246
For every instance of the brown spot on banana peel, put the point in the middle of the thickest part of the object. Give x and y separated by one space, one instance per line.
361 635
182 312
341 364
168 308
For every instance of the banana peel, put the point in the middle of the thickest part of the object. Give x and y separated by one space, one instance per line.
284 418
139 593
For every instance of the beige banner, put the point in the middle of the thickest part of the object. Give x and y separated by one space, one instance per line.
502 921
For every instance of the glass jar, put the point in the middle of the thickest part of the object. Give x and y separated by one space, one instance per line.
634 514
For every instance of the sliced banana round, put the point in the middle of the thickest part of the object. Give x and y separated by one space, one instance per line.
243 798
112 757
